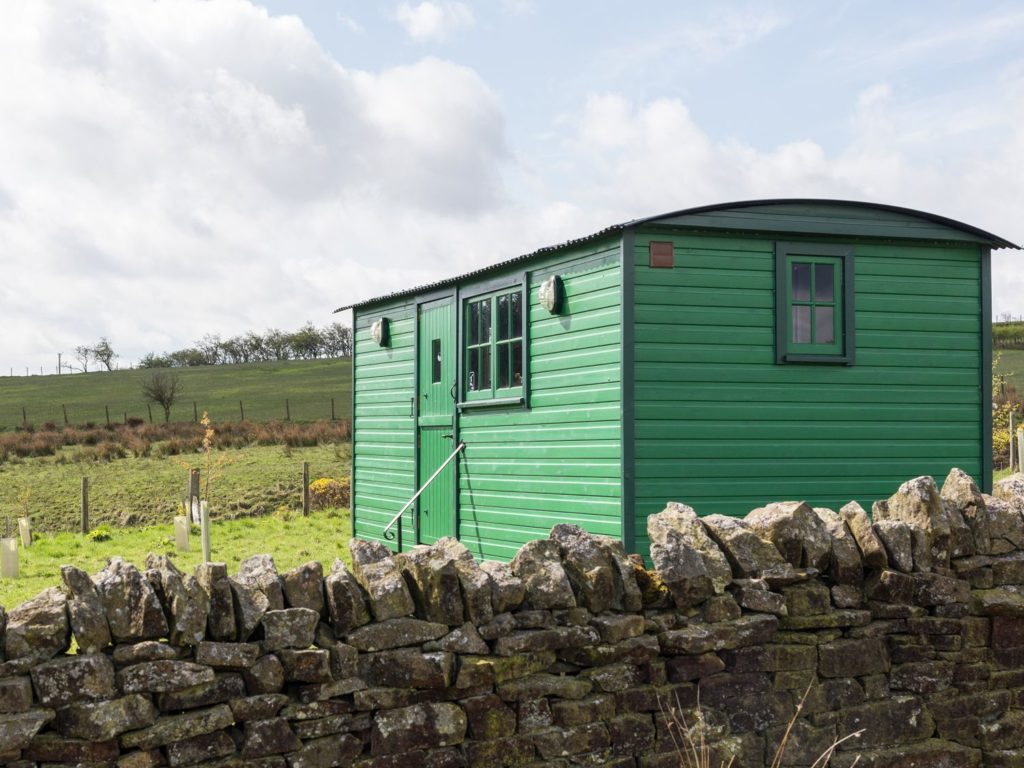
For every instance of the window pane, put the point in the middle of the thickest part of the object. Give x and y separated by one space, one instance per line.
485 367
474 322
473 374
517 315
823 277
517 363
503 367
824 331
801 325
435 361
485 320
801 277
502 317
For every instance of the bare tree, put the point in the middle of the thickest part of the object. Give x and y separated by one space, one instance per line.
163 389
83 354
104 354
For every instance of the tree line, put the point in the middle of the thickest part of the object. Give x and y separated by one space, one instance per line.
307 343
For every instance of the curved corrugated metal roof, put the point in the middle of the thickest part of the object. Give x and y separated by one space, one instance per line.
981 235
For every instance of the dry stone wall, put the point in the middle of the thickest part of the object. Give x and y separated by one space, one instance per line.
908 630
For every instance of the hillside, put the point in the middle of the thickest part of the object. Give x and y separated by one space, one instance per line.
263 388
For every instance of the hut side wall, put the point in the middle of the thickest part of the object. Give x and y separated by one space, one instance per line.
383 429
720 425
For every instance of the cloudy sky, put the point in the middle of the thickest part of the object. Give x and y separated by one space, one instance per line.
171 168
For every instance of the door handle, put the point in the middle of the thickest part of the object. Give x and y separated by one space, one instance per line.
454 397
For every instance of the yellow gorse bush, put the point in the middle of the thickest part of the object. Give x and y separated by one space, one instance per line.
327 492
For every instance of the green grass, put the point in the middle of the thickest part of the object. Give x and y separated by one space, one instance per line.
322 536
307 385
142 491
1009 363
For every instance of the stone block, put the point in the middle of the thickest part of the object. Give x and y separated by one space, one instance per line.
395 633
69 679
303 587
232 656
38 628
407 668
488 717
171 728
18 729
213 578
538 685
222 688
853 658
266 675
346 601
102 720
85 610
420 726
262 738
186 603
162 676
328 752
15 694
289 628
198 749
306 666
54 748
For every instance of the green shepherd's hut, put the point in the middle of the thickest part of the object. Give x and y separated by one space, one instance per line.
723 356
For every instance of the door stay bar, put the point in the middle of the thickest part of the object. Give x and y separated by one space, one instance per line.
397 519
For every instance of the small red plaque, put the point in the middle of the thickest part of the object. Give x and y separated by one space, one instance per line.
661 256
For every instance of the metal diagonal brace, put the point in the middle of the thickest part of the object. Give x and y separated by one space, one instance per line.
397 519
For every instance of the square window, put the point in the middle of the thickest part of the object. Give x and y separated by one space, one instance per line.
814 297
493 346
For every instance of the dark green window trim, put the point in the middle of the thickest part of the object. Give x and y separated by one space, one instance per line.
494 347
814 286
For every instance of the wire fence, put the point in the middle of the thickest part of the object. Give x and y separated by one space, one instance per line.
300 408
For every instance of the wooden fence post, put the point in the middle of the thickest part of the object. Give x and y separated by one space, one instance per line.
305 488
85 505
204 522
106 408
287 410
9 558
193 495
241 410
195 412
1012 433
149 407
65 409
333 417
24 416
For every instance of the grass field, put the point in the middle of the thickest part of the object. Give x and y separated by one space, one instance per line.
1010 364
292 540
307 385
147 490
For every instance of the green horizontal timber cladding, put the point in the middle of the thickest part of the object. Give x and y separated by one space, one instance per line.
722 427
557 459
383 429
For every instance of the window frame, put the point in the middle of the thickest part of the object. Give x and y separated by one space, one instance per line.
843 350
494 395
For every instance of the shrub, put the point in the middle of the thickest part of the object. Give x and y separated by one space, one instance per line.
326 492
101 533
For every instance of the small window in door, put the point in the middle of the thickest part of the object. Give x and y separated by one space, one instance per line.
435 361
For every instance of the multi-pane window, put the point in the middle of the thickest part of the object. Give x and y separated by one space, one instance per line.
493 334
814 291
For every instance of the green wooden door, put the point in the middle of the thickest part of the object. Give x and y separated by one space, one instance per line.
435 420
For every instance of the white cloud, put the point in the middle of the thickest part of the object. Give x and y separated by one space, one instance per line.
434 21
173 169
350 24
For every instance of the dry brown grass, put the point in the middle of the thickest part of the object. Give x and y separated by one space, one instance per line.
108 442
